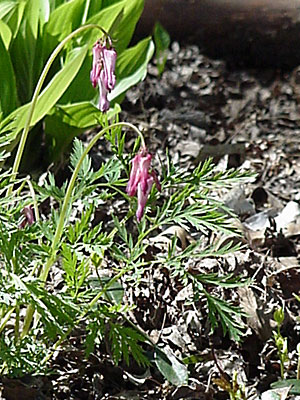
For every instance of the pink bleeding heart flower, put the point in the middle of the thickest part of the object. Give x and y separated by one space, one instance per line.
103 71
109 65
103 101
141 180
28 217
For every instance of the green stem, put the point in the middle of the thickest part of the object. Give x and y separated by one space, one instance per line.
85 13
281 369
17 323
27 321
92 303
17 161
35 204
84 313
298 363
36 93
6 318
64 209
61 221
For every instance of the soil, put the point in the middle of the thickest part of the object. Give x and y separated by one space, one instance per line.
198 108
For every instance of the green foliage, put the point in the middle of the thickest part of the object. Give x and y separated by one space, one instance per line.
8 100
281 342
76 271
29 32
132 67
91 296
170 367
227 314
291 386
124 342
162 43
96 261
22 358
235 390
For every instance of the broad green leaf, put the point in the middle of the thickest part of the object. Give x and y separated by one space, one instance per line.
170 367
132 67
8 98
5 34
44 6
23 48
66 122
15 122
65 19
124 30
55 3
162 43
105 19
62 21
32 15
116 23
59 136
81 115
81 88
6 8
293 384
97 5
134 57
131 11
11 12
27 46
115 291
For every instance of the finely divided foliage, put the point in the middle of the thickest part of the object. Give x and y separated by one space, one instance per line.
61 267
89 297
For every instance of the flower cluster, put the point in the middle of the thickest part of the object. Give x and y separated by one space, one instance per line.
141 180
103 71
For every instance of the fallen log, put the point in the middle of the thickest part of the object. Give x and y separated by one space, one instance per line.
255 32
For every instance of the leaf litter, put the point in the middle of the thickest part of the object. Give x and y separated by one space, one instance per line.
201 108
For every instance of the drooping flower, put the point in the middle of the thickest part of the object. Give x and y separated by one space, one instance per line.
28 217
109 65
103 71
97 64
103 101
143 197
141 180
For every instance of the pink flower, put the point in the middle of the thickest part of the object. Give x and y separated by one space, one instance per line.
103 101
103 71
141 180
109 65
28 217
97 64
143 196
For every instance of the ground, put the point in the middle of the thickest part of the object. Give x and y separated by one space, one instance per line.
242 118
